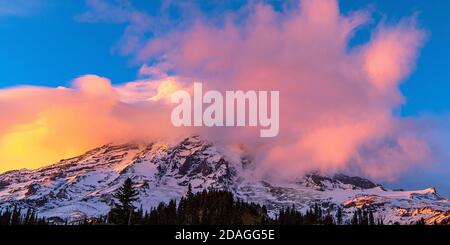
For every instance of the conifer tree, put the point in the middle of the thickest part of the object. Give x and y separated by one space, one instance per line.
181 212
189 192
339 216
124 212
371 218
420 222
15 218
355 220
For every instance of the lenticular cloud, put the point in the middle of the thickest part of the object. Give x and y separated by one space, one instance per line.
336 101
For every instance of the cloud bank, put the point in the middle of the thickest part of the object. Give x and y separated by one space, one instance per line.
337 102
44 125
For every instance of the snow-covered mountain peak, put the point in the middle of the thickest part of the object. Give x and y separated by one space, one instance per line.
83 186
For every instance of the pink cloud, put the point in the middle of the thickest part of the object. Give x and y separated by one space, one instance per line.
334 100
390 57
336 103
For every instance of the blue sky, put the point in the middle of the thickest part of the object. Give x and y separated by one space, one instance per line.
428 87
48 47
43 43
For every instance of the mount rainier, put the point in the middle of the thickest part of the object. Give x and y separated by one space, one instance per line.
83 186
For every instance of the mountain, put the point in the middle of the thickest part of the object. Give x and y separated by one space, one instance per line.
83 186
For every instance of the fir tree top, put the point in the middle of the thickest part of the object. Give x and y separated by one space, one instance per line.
126 194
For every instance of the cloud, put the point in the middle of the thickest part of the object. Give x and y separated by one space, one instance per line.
337 102
390 56
119 12
19 7
43 125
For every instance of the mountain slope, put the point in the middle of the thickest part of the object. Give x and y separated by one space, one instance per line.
83 186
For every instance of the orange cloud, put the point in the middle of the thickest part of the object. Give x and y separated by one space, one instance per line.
336 102
44 125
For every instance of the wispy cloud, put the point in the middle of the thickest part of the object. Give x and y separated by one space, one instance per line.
120 12
19 7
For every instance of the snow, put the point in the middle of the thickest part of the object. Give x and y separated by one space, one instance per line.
83 186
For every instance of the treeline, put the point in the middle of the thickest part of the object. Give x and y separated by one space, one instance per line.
207 208
212 207
217 207
16 216
313 216
364 217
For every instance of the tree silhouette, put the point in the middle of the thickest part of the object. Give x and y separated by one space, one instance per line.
124 212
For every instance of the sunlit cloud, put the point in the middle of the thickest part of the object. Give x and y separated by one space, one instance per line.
337 102
44 125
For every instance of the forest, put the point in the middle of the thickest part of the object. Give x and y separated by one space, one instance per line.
208 207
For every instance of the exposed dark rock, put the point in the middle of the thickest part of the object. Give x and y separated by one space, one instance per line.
356 181
32 189
3 184
317 179
57 175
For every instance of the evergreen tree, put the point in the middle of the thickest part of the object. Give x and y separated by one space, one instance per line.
124 212
15 217
355 220
371 219
364 217
189 192
339 216
420 222
380 221
181 212
5 217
